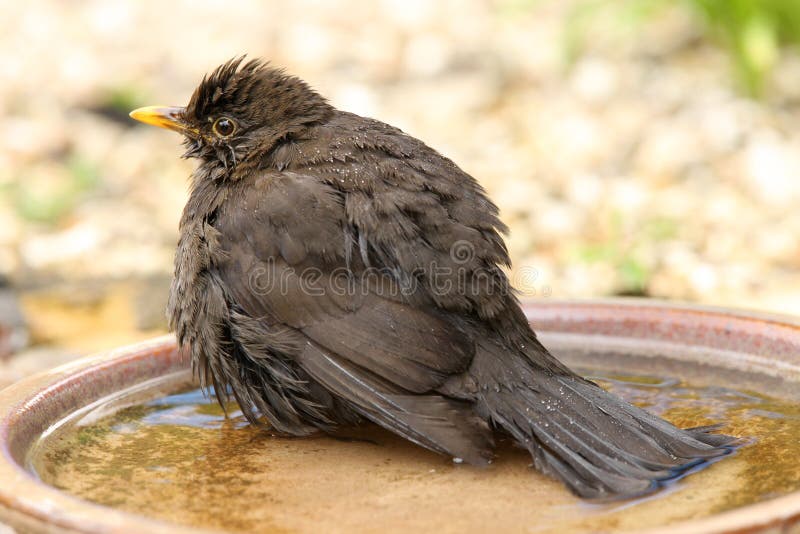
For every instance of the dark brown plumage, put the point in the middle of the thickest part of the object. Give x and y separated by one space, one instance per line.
332 269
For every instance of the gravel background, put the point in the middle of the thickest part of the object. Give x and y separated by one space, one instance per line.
638 169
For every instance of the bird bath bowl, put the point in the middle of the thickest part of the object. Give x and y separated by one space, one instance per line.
122 442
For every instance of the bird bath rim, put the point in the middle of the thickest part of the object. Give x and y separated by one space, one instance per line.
764 347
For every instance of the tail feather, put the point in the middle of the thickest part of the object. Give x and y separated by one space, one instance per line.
608 433
648 432
598 444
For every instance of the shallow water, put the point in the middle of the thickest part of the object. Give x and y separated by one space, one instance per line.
178 458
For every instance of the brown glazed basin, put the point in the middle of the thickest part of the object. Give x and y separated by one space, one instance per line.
754 352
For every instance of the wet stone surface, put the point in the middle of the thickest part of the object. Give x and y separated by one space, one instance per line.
178 458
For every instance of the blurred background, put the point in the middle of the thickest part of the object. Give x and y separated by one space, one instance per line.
635 147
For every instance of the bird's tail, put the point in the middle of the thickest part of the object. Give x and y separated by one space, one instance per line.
598 444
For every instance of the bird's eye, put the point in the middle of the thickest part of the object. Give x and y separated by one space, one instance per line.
224 127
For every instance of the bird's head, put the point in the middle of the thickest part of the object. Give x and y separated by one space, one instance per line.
239 113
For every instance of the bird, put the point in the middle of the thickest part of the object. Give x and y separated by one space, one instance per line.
333 270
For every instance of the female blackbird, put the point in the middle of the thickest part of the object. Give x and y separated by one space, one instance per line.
331 268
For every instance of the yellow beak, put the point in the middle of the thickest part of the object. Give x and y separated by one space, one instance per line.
163 117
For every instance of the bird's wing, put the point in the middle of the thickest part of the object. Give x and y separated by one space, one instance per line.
442 424
376 346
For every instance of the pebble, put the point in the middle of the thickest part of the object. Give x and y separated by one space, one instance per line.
592 157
